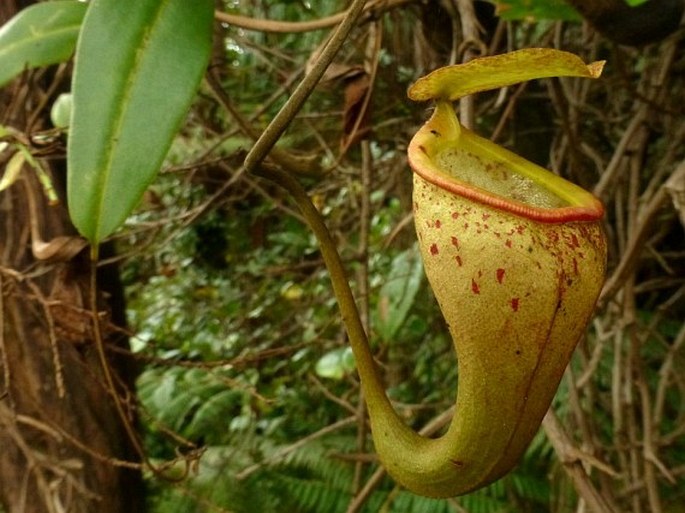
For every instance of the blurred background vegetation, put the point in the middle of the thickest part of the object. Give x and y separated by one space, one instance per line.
245 369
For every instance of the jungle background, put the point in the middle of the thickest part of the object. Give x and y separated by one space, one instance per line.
236 362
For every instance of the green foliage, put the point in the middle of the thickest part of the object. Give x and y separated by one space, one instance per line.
40 35
137 72
336 363
312 479
397 294
193 403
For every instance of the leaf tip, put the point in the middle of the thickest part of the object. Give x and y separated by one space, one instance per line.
595 68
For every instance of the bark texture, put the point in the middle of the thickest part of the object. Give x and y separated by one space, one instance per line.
60 434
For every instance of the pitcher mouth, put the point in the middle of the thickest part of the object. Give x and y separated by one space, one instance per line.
455 159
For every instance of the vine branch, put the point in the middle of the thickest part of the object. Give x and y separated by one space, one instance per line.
289 27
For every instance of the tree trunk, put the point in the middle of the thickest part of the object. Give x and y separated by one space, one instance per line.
62 443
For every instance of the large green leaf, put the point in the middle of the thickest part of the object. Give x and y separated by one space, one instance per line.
39 35
138 67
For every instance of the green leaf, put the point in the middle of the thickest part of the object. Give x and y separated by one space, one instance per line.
138 67
398 292
336 363
215 410
39 35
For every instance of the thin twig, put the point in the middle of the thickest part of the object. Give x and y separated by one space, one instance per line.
569 456
638 237
290 27
363 291
4 358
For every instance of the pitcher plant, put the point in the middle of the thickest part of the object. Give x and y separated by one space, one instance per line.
515 256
